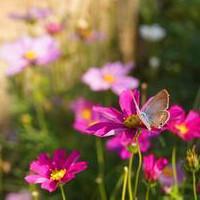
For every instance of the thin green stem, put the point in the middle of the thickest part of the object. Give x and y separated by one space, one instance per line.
147 192
129 176
138 169
194 185
63 192
174 167
41 118
1 171
100 178
125 183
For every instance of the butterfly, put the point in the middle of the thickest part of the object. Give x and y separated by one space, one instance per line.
153 113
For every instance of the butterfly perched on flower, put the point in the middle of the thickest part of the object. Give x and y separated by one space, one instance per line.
153 113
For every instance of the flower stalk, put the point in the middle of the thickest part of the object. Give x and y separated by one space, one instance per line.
124 183
129 176
194 185
139 165
62 192
174 168
100 178
147 192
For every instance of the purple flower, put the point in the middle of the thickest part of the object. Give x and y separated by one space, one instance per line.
32 15
153 167
111 76
121 142
186 127
84 115
49 173
166 179
29 51
113 122
23 195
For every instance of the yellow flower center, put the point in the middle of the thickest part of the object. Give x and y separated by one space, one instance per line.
109 78
167 171
86 114
30 55
56 175
132 121
182 128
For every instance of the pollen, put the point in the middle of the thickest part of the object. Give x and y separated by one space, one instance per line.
132 121
109 78
30 55
182 128
86 114
57 175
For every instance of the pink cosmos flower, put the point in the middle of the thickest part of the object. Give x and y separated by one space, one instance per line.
84 114
53 28
23 195
186 127
166 178
58 170
111 76
29 51
32 15
113 122
152 167
121 142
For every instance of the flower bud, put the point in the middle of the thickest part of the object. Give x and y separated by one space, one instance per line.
192 159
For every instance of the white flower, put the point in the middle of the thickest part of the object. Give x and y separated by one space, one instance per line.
154 62
152 33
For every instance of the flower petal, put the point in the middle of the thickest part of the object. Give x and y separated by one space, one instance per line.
38 168
49 185
104 129
110 114
59 158
126 102
33 179
72 158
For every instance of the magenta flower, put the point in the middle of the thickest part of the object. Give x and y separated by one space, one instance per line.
186 127
32 15
49 173
111 76
121 143
29 51
53 28
166 178
84 115
152 167
113 122
23 195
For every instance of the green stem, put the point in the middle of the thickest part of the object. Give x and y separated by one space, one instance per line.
100 178
174 168
129 177
194 185
41 118
138 170
147 192
63 192
1 171
125 183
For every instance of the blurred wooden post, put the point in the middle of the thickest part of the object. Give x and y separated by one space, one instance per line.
127 26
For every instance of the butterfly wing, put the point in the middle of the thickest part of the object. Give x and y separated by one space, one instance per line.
159 119
157 103
154 113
